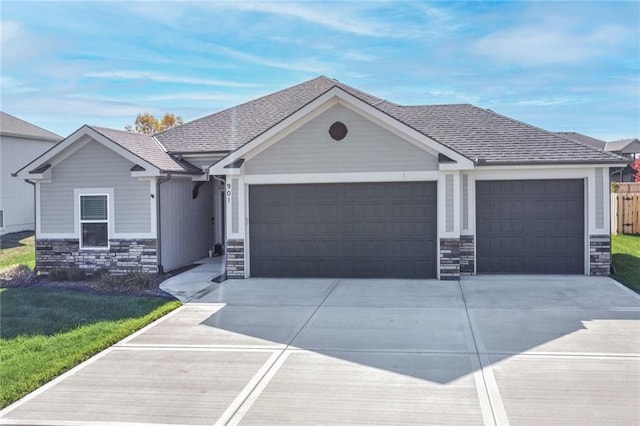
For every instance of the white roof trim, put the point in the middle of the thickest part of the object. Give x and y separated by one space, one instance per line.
321 104
77 136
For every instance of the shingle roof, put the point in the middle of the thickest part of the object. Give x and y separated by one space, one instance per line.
145 147
231 128
476 133
13 126
619 146
481 134
579 137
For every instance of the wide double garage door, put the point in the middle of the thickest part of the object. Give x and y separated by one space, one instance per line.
371 230
530 226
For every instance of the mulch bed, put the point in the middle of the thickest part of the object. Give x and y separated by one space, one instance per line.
92 287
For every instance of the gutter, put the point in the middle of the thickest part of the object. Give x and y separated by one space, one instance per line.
159 182
481 162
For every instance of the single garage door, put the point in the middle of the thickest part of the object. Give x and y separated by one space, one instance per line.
343 230
530 226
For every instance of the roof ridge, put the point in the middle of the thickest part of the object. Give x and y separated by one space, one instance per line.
244 103
555 134
120 131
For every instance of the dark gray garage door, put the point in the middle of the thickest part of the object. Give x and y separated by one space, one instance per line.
343 230
530 226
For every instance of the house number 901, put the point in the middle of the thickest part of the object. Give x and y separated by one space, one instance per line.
228 193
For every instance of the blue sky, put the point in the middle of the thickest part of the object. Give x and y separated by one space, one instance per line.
562 66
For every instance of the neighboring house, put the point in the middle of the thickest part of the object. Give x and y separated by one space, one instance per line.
628 148
324 180
20 142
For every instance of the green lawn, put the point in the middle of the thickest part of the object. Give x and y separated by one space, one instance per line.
46 331
17 248
625 251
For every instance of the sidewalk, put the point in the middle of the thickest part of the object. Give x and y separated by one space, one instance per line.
195 281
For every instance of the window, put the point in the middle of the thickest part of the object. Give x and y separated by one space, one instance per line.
94 221
1 218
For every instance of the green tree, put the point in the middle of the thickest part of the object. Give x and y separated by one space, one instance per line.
148 124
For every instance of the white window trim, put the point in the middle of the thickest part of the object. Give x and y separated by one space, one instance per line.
78 192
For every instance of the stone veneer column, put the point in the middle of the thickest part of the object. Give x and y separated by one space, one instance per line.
599 255
235 259
467 255
449 258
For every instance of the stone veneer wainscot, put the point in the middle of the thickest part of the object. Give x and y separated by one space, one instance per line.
122 256
467 255
449 258
599 255
235 259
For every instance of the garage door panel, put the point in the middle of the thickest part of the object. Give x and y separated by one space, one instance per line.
538 227
347 230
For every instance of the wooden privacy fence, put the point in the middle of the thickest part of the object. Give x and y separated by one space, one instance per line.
625 209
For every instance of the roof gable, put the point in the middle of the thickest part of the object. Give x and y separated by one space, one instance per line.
480 135
139 149
334 96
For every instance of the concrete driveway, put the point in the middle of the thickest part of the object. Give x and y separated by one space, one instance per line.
486 350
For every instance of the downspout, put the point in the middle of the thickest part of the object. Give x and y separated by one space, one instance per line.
159 182
35 218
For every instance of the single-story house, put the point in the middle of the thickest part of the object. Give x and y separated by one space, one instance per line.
20 142
324 180
627 148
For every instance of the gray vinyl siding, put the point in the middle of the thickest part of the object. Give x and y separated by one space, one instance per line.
95 166
448 180
465 202
235 213
186 228
366 148
599 198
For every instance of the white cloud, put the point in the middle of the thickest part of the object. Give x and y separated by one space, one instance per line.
166 78
549 43
9 32
18 44
552 101
309 65
12 85
348 17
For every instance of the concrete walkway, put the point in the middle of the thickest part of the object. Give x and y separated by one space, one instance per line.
196 281
487 350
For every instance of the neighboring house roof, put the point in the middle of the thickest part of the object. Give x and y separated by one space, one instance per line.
147 148
626 146
479 134
579 137
13 126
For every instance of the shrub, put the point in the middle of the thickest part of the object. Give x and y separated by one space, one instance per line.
76 274
57 274
138 280
105 281
16 276
100 271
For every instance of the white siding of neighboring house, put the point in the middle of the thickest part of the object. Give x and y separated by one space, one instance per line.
366 148
186 228
17 196
95 166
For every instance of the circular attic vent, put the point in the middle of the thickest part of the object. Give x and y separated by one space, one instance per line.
338 131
